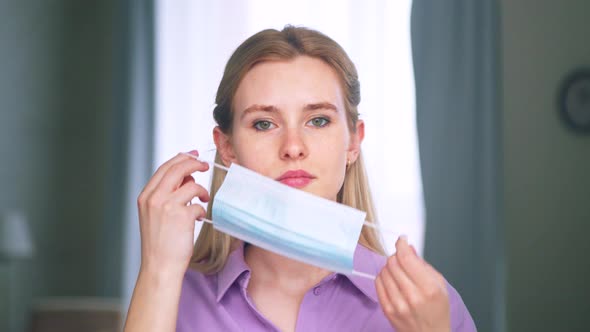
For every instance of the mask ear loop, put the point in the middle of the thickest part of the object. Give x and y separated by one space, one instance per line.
365 223
364 275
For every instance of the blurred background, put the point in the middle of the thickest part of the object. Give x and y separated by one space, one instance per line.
498 184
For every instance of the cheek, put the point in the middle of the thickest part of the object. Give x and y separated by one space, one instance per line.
253 153
335 144
330 152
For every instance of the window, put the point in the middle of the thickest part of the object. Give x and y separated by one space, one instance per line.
195 39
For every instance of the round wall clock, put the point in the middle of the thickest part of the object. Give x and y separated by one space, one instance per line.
574 100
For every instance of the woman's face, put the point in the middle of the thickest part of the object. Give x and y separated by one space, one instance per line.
290 124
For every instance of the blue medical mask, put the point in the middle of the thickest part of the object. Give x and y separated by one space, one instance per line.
287 221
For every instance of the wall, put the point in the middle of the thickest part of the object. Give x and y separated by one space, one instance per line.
546 167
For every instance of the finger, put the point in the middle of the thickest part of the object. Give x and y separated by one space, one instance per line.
174 176
386 304
197 211
440 280
414 266
157 177
187 179
410 292
188 191
395 295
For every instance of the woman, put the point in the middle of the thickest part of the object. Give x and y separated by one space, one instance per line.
287 109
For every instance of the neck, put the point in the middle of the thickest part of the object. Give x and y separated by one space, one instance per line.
275 269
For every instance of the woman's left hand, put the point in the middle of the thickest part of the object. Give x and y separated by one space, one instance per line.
413 295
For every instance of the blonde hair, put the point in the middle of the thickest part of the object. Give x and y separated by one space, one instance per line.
213 247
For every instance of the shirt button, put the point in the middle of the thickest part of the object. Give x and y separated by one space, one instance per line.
317 291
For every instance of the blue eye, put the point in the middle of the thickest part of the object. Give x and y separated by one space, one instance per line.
319 122
263 125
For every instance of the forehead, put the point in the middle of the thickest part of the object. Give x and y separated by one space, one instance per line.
287 83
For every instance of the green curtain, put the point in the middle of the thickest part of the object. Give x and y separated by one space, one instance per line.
455 47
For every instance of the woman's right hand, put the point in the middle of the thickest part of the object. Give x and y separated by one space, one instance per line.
167 225
167 220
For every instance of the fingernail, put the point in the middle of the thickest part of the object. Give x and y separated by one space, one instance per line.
404 239
192 154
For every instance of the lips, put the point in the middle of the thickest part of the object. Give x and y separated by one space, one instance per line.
297 179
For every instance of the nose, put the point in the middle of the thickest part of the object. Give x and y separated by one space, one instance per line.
293 145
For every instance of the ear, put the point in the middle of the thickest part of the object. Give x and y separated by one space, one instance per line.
224 147
356 138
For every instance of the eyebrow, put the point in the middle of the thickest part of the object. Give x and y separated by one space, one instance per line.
270 108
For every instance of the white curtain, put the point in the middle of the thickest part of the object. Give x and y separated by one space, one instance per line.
196 38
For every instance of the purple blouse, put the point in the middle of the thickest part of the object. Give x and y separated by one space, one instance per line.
220 302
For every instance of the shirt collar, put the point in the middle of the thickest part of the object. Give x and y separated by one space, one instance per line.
233 268
369 262
365 260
